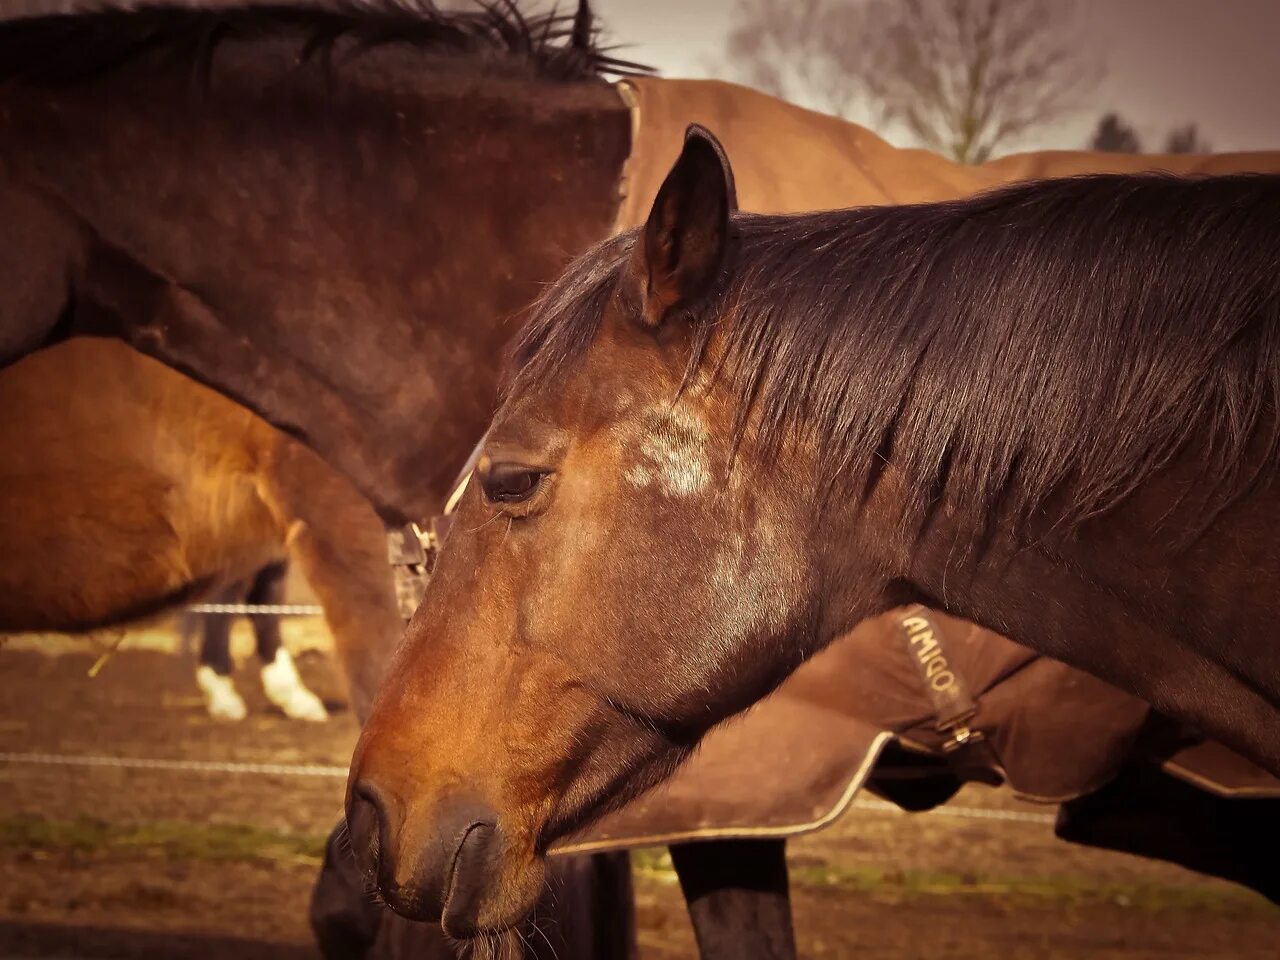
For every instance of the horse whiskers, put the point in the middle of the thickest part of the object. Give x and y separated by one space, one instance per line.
488 946
370 889
547 940
343 839
369 875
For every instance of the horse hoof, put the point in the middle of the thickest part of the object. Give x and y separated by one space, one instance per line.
220 697
305 705
285 689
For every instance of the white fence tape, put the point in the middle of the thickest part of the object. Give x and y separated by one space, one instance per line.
275 609
174 766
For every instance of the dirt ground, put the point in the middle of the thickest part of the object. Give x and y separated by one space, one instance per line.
109 861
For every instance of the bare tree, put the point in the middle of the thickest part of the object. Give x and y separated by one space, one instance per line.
779 47
1186 140
963 77
1113 135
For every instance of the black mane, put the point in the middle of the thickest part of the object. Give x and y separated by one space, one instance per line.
1057 341
60 41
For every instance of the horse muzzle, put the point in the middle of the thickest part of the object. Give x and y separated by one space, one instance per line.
450 867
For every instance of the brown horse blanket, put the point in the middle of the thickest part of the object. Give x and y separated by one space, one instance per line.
795 761
789 160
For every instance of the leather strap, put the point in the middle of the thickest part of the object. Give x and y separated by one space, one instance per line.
412 548
411 551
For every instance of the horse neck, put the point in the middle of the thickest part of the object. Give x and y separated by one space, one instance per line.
338 543
1124 597
347 257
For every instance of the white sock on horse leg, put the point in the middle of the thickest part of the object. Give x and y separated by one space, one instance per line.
286 690
220 696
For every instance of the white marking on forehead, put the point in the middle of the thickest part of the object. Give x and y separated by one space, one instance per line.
673 453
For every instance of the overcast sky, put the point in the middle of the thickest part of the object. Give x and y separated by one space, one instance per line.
1167 62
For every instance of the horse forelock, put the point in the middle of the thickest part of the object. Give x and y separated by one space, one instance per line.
566 318
1057 342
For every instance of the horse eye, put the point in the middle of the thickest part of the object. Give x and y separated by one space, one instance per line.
510 482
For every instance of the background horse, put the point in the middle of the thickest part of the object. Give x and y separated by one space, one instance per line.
136 492
749 433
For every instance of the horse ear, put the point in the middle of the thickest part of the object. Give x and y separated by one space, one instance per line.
681 249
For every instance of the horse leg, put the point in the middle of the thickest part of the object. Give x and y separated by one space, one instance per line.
267 586
587 910
1151 813
213 674
738 898
280 679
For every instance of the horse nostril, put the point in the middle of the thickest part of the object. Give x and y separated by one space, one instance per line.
366 822
475 867
366 791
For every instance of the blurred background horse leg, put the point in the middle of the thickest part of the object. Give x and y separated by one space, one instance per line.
213 672
280 679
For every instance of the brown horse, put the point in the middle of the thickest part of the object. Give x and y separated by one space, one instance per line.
1049 410
129 494
124 492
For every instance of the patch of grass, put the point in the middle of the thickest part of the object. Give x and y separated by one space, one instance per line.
655 864
173 840
178 841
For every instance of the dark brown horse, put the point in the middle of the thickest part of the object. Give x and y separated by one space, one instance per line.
308 243
287 203
1050 410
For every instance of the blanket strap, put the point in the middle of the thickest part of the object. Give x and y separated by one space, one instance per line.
953 704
